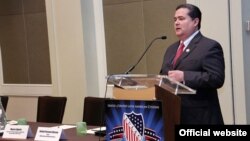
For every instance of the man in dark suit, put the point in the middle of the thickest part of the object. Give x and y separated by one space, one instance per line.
201 66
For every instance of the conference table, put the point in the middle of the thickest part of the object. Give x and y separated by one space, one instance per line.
69 133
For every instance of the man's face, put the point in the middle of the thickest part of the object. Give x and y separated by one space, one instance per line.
184 24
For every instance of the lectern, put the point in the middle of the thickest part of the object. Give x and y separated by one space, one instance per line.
152 87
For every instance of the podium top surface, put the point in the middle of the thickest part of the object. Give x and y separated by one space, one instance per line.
144 81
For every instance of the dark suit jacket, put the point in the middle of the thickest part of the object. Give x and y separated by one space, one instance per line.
204 70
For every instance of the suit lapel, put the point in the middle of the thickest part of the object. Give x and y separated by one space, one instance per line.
192 45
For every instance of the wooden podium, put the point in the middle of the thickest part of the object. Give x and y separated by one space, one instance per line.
153 87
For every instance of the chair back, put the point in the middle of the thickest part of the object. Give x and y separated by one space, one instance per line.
4 100
51 109
93 111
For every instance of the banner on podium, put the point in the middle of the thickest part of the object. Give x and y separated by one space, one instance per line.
134 120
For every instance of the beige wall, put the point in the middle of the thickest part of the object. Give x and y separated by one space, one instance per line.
21 107
68 60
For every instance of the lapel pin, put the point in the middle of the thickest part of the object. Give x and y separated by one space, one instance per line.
187 50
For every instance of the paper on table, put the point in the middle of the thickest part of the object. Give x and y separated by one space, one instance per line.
12 122
92 131
64 126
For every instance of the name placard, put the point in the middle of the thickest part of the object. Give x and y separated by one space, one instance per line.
17 131
48 133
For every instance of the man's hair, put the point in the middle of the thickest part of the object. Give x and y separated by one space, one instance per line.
194 12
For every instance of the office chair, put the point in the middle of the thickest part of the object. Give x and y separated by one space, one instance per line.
93 111
51 109
4 100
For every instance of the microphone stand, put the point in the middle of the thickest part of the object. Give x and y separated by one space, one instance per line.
133 67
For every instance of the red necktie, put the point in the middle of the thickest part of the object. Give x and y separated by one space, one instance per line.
178 53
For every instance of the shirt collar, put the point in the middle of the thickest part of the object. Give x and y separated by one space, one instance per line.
188 40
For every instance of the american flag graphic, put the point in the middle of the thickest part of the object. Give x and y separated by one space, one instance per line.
133 126
116 134
150 135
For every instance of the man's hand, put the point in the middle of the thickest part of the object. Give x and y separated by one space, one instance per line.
176 75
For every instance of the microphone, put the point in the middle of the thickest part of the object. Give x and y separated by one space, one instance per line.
133 67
